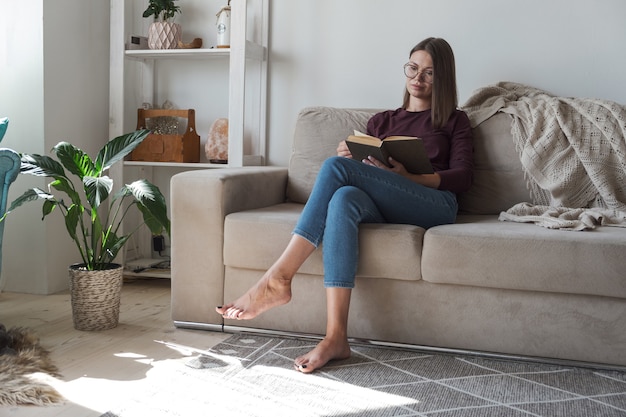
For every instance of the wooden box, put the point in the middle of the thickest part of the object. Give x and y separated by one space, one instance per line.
168 148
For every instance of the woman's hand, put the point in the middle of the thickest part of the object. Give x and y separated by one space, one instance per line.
396 166
342 150
428 180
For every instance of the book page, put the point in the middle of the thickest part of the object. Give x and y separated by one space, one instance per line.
366 140
395 137
357 133
390 138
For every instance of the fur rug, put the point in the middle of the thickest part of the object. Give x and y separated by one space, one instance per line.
19 366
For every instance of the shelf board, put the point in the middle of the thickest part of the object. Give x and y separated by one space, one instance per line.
248 160
149 273
199 53
146 267
175 164
253 51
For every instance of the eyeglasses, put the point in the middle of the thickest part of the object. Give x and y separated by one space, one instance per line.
411 71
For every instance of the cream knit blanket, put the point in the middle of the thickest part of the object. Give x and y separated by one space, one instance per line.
573 152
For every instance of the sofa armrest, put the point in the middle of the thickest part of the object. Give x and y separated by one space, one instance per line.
200 200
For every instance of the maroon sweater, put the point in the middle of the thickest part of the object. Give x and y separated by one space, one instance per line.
450 149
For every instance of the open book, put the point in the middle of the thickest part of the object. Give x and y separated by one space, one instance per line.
407 150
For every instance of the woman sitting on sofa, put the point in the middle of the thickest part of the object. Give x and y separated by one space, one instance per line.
348 192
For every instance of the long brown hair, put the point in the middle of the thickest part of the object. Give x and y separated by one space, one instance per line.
444 100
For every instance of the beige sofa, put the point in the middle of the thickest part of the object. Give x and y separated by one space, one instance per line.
480 284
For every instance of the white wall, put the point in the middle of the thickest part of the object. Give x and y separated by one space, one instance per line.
350 52
53 87
21 89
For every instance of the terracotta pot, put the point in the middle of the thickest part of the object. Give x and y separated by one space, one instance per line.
164 35
95 297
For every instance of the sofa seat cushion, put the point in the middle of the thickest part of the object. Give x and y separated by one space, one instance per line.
254 239
482 251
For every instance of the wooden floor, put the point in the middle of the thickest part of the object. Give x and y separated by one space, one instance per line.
98 366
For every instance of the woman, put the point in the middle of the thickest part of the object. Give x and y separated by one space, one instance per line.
349 192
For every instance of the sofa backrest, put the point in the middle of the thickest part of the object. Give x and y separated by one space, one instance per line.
499 180
318 132
498 177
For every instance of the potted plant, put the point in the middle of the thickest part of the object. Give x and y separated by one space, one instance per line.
163 33
94 225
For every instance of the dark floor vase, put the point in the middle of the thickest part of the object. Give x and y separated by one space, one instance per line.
95 297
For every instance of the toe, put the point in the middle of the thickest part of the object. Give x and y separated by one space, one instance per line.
304 365
223 309
300 363
306 368
227 312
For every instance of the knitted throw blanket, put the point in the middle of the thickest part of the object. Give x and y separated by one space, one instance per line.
573 152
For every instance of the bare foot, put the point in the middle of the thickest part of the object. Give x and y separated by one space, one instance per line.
271 291
327 350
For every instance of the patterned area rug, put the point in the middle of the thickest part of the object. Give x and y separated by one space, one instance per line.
23 366
250 375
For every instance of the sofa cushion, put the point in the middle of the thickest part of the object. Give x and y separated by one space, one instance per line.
318 132
482 251
498 176
254 239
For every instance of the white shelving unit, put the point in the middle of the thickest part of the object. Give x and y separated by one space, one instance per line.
246 75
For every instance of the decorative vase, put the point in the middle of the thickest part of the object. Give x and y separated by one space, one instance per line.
164 35
95 297
223 27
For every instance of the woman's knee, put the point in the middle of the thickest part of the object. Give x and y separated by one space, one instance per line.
350 203
346 197
336 164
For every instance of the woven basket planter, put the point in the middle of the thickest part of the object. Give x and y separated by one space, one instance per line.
95 297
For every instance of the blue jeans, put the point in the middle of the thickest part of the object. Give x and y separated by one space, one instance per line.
347 193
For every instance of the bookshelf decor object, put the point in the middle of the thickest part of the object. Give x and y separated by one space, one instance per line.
167 146
163 33
223 27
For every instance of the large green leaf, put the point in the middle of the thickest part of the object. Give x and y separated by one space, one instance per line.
97 189
117 149
112 247
75 160
65 185
48 207
41 166
31 195
155 225
71 220
151 204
